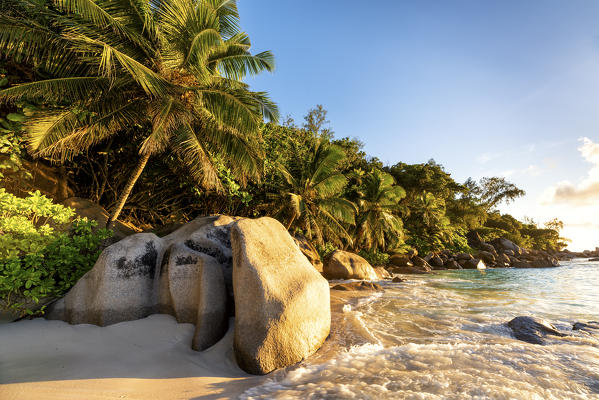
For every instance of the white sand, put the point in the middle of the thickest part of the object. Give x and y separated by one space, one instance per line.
144 359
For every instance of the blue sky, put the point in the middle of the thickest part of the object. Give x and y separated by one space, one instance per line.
485 88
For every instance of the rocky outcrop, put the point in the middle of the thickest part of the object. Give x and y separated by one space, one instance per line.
487 257
362 285
51 181
532 330
309 251
505 245
452 264
475 263
400 260
92 211
409 263
409 270
281 301
345 265
436 262
382 273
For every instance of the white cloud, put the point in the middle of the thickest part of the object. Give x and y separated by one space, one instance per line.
587 191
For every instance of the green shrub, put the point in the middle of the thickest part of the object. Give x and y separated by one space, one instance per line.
326 250
375 257
44 250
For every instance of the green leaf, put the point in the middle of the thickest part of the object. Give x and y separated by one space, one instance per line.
14 117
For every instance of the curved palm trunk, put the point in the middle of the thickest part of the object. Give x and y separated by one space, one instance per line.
128 188
290 222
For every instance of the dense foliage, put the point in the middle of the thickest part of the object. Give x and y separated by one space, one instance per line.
172 69
44 250
102 87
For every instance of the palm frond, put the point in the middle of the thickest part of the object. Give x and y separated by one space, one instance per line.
187 145
72 89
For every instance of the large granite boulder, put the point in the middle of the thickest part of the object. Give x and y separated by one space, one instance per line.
281 302
120 286
182 274
193 290
532 330
503 244
211 236
309 251
400 260
345 265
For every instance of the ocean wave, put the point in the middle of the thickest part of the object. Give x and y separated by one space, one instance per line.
441 371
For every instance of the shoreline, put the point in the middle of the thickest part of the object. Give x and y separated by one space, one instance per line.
143 359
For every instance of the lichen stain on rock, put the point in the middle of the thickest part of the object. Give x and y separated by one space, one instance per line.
144 265
185 260
211 251
222 235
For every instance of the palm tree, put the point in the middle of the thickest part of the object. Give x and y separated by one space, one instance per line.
174 67
379 208
309 197
430 209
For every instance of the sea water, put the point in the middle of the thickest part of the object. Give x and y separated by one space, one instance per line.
444 336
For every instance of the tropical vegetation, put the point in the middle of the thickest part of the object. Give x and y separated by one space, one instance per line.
141 107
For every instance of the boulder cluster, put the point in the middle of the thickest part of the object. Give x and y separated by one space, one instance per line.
203 273
499 253
592 255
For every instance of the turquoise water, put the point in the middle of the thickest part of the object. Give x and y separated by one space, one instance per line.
444 337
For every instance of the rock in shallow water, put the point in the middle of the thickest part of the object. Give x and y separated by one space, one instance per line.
591 327
532 330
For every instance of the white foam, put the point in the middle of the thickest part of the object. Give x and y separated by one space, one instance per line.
446 338
440 371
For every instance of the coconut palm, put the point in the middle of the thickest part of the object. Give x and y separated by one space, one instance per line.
309 197
174 67
378 220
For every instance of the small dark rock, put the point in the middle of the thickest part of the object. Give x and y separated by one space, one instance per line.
532 330
362 285
591 327
397 279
